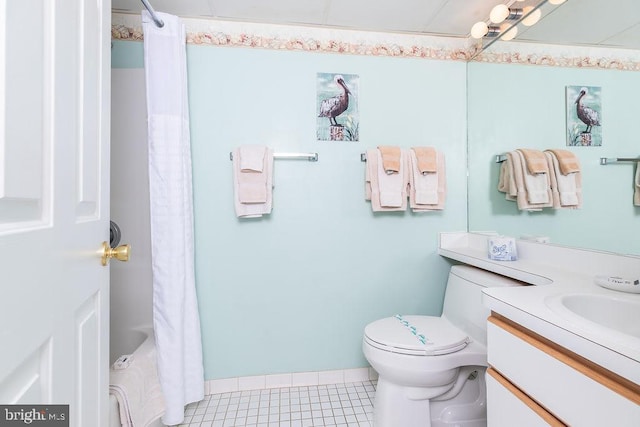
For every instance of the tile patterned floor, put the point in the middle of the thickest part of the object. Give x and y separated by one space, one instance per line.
344 405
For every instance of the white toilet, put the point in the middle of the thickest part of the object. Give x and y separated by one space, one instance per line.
431 369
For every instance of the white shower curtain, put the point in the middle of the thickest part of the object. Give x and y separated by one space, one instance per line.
175 307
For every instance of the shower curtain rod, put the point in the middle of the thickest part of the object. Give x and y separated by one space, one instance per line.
152 12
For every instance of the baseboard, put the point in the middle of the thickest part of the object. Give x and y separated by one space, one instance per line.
296 379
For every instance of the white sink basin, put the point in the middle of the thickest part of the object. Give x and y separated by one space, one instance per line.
615 313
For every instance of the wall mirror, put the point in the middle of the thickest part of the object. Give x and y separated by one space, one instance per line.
513 105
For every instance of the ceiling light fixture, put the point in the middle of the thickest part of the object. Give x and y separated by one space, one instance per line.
504 19
502 12
481 29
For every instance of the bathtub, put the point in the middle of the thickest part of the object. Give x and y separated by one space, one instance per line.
138 341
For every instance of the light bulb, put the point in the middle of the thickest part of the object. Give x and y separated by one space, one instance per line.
479 30
499 13
532 18
509 35
556 1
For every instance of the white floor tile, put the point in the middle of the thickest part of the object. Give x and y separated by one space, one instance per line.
344 405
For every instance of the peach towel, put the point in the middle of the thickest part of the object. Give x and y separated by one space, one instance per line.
427 192
386 192
568 161
252 158
535 161
390 158
427 159
253 190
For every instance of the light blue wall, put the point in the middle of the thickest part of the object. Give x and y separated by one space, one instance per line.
293 291
514 106
127 54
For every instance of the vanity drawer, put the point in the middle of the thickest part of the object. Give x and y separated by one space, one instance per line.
508 406
573 389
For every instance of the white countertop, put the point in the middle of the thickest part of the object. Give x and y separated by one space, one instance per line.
556 271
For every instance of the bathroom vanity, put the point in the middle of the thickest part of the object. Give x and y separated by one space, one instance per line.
563 350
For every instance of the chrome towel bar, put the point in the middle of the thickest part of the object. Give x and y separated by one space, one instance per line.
608 160
312 157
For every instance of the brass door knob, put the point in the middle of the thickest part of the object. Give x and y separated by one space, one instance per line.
121 253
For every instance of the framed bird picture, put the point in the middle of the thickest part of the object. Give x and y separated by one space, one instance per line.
337 107
584 116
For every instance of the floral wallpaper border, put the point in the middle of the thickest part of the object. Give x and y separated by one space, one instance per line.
324 40
561 56
299 38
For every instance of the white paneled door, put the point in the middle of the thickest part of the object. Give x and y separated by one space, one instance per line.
54 205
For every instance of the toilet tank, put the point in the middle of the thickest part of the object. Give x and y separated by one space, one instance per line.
463 299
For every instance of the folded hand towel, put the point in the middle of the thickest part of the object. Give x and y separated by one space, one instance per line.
423 188
392 187
252 158
518 178
537 186
566 189
390 158
427 159
252 182
535 161
523 198
368 181
553 181
568 161
441 185
506 181
253 190
636 193
503 184
386 192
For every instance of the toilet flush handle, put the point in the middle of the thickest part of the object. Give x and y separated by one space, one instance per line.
121 253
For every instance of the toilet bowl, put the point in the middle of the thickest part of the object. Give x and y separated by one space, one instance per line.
431 369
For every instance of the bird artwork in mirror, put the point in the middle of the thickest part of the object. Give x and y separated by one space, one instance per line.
584 116
337 107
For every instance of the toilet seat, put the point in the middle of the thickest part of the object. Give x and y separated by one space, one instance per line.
415 335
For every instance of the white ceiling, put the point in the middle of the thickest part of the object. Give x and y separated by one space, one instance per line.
607 23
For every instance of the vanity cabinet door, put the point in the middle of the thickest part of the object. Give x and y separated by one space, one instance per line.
573 389
508 406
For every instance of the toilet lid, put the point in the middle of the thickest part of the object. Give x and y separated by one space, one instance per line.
415 335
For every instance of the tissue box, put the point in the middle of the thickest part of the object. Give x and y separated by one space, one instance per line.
502 248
